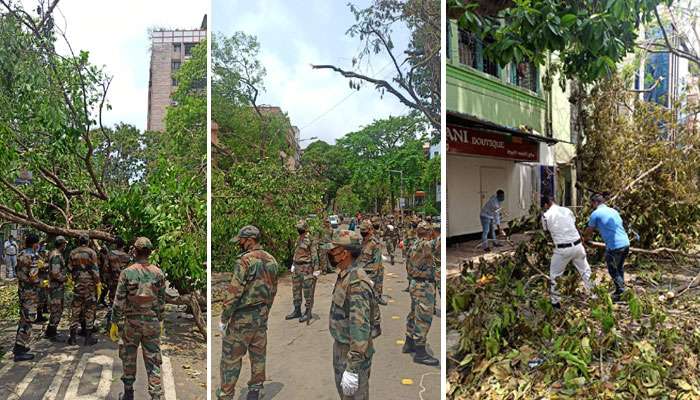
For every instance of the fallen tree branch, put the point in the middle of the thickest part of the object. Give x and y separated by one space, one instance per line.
634 182
656 252
193 301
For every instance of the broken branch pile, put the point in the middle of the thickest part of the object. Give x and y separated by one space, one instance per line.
506 341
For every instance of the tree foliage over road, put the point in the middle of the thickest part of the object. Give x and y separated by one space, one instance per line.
89 178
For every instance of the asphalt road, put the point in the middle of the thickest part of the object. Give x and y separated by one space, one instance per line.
79 372
299 357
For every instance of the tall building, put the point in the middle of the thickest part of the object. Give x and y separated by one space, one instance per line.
169 50
504 131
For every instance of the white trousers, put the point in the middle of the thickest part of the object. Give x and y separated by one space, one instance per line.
560 259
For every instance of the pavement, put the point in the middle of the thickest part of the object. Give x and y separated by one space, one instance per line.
299 357
471 250
78 372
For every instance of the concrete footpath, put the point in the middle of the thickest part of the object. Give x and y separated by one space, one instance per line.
299 357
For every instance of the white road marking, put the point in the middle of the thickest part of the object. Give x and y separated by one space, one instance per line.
102 386
168 379
55 386
42 366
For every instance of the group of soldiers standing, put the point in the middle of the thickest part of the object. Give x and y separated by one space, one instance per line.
136 291
354 318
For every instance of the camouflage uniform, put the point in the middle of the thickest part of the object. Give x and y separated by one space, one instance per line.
28 294
58 275
421 272
138 311
246 308
326 237
305 264
103 262
43 289
391 238
86 276
353 322
117 260
371 258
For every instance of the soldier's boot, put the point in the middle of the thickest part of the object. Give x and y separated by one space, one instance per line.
90 339
409 346
295 314
392 259
22 353
128 394
53 335
156 397
83 330
253 394
71 337
381 300
306 316
407 287
40 317
422 357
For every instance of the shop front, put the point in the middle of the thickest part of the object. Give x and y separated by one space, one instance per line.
482 158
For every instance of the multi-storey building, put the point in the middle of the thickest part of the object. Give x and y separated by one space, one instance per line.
504 131
169 50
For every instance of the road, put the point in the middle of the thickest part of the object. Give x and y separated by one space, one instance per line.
60 371
299 357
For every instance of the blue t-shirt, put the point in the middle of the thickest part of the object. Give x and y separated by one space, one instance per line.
609 224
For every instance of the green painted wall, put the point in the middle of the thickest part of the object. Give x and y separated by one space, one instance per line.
490 98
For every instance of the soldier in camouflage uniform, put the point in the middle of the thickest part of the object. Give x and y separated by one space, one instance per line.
421 272
371 258
354 318
27 285
103 262
117 261
326 237
137 313
304 273
408 241
58 275
391 237
246 308
87 288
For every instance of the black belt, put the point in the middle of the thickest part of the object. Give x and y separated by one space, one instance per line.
566 245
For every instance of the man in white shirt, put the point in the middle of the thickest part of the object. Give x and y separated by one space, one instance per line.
10 251
491 220
568 246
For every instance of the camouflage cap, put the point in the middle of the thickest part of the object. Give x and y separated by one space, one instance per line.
302 224
376 220
345 238
143 243
436 226
248 231
60 240
365 225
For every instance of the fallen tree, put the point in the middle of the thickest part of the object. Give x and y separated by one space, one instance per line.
505 341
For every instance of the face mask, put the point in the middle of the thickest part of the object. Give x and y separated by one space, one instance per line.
364 234
300 231
333 260
375 226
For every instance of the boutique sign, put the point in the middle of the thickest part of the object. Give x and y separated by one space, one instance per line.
468 141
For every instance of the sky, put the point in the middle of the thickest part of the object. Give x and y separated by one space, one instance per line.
116 35
293 35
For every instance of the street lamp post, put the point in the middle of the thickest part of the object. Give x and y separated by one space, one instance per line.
401 194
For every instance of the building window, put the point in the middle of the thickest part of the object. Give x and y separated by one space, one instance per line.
188 48
174 82
449 40
525 75
471 54
177 47
175 65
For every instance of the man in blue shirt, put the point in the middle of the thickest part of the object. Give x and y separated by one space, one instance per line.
491 219
617 245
